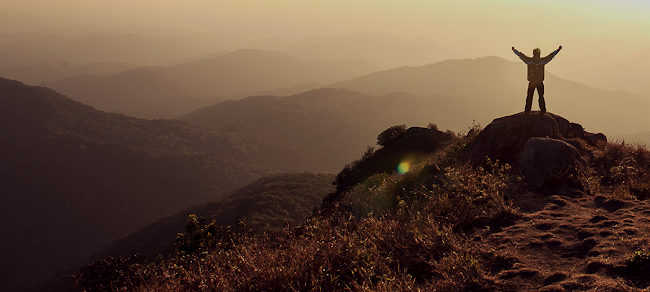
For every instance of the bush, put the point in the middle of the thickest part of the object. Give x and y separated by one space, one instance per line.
197 239
620 169
391 135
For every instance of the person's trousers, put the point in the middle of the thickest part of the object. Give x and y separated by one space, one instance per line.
540 91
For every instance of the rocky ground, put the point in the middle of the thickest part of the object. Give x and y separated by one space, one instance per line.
569 241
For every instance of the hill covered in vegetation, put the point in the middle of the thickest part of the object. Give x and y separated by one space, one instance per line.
447 222
91 176
267 204
335 125
80 178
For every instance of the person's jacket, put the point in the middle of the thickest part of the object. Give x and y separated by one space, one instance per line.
536 65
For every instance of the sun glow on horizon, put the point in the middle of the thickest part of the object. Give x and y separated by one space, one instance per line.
443 20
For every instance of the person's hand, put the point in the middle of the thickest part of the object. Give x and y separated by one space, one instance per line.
559 48
513 48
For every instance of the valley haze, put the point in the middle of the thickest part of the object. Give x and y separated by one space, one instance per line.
140 111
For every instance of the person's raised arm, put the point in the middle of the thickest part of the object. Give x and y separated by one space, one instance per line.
551 55
521 56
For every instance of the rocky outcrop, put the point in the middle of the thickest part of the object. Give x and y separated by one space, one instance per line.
546 162
504 139
545 149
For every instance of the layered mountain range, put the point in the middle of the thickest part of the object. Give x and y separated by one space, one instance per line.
75 177
81 177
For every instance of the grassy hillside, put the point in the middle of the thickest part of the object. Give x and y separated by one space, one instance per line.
73 178
90 176
84 175
267 204
441 226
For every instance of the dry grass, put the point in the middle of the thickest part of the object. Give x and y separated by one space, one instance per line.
326 254
620 170
396 233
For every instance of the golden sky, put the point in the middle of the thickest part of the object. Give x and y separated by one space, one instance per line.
446 20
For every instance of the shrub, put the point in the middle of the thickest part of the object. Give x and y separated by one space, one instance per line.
638 268
372 197
391 135
620 169
340 177
197 239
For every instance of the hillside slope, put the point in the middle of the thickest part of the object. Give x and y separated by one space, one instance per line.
265 205
335 125
73 178
446 223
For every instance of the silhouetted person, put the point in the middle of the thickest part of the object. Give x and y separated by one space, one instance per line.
536 76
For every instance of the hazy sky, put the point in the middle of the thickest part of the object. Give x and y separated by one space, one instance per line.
446 20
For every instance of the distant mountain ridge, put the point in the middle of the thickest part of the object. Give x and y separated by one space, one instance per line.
248 69
382 49
338 124
203 82
496 87
618 65
50 71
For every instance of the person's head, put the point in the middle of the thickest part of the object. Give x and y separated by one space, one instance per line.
537 52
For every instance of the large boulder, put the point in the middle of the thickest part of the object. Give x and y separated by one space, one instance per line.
547 162
505 138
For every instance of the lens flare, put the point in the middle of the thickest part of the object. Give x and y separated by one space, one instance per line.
403 167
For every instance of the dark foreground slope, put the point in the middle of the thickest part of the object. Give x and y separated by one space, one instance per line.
78 173
448 223
73 178
267 204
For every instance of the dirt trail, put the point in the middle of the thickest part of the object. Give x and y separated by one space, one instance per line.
569 241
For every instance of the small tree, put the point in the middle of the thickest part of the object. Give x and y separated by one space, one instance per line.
197 239
391 135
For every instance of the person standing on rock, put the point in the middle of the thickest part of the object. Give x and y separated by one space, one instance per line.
536 76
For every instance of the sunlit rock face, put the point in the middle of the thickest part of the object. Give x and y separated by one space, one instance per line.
504 139
543 148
